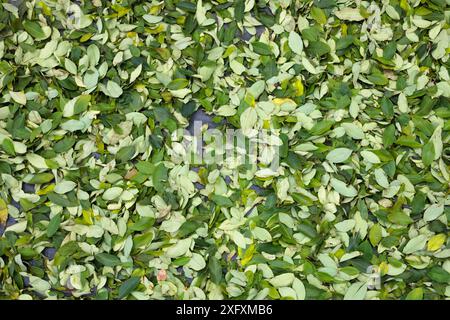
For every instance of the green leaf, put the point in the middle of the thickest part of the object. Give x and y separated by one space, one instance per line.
188 228
428 153
295 42
307 230
188 109
66 252
339 155
61 200
415 294
389 136
318 15
438 274
142 224
301 199
378 79
128 286
34 29
318 48
107 259
159 175
53 225
8 147
321 127
408 141
222 201
415 244
261 48
357 291
294 161
239 7
387 107
41 178
215 270
28 253
375 234
82 103
178 84
125 154
433 212
142 240
145 167
344 42
418 203
64 144
181 261
342 188
400 218
113 89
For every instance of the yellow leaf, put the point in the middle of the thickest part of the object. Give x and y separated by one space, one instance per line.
121 11
384 268
229 51
280 101
154 10
299 89
45 9
248 255
87 217
436 242
339 253
46 190
3 212
100 145
86 37
344 29
404 5
160 28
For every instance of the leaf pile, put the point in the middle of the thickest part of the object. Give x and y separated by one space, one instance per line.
98 202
